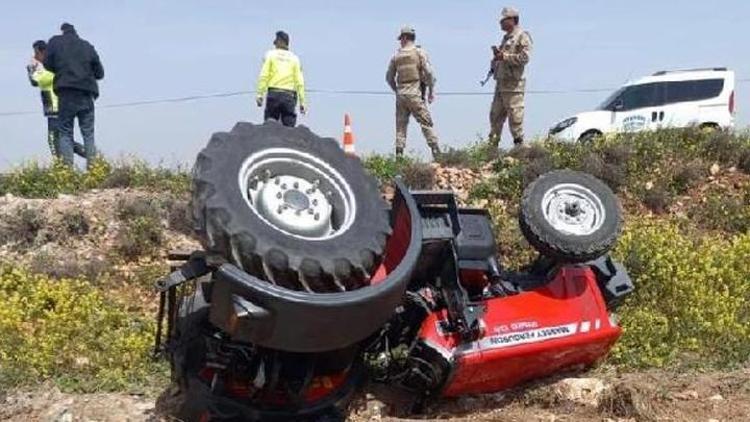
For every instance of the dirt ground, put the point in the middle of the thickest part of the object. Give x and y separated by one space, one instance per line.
644 396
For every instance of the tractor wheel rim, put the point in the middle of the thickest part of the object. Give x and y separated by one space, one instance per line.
297 194
573 209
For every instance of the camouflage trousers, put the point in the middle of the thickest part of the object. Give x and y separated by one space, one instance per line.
506 105
406 106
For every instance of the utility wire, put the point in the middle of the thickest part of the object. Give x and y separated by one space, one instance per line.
324 91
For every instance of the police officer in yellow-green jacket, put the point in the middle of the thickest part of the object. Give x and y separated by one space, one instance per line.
43 79
281 83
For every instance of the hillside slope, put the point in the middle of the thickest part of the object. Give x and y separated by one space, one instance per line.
80 251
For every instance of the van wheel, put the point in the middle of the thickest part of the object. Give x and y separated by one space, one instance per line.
570 216
589 136
708 127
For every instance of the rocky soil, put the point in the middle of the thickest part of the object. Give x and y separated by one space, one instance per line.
631 397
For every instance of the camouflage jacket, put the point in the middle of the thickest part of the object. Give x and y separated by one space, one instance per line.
410 72
509 72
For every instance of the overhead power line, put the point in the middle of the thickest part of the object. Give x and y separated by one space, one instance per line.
327 92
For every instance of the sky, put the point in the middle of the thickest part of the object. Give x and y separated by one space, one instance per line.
175 48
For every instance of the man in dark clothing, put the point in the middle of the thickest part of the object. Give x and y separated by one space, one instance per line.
43 79
77 67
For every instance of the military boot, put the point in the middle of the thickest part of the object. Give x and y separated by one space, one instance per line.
494 140
435 152
518 142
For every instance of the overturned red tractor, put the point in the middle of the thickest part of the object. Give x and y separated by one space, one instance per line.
310 284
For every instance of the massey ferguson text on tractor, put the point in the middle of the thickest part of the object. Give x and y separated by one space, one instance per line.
309 283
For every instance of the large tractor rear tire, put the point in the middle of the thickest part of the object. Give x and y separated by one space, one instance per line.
289 207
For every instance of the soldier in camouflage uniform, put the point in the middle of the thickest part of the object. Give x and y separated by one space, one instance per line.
411 77
508 63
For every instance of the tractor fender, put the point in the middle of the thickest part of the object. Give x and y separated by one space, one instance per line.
253 310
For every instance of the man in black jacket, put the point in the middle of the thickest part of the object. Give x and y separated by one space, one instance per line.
77 67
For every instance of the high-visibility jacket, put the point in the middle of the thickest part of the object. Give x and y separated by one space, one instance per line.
281 70
43 79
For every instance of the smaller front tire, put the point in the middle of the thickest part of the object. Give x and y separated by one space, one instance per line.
589 136
570 216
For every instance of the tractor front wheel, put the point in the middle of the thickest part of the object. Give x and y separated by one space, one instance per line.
570 216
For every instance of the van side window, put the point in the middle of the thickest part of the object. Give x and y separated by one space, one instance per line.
640 96
695 90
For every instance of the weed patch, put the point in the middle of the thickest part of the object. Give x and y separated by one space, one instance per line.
474 157
143 233
22 228
692 301
32 180
66 331
59 264
385 168
142 236
723 212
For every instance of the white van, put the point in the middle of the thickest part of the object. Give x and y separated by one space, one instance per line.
666 99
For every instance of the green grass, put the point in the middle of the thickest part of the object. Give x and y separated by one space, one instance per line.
69 332
32 180
691 307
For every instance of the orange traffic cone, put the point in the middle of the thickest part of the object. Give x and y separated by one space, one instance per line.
348 135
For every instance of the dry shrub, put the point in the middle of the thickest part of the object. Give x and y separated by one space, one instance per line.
134 207
75 223
724 147
687 175
22 227
535 159
626 400
532 152
142 233
612 174
744 161
140 237
119 177
418 175
178 216
61 265
657 199
612 165
454 157
723 211
474 156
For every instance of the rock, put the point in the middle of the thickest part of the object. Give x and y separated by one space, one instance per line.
649 185
468 403
583 391
497 397
81 362
547 417
714 170
64 415
686 395
375 409
716 397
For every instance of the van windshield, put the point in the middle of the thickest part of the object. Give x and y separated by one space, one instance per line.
608 103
